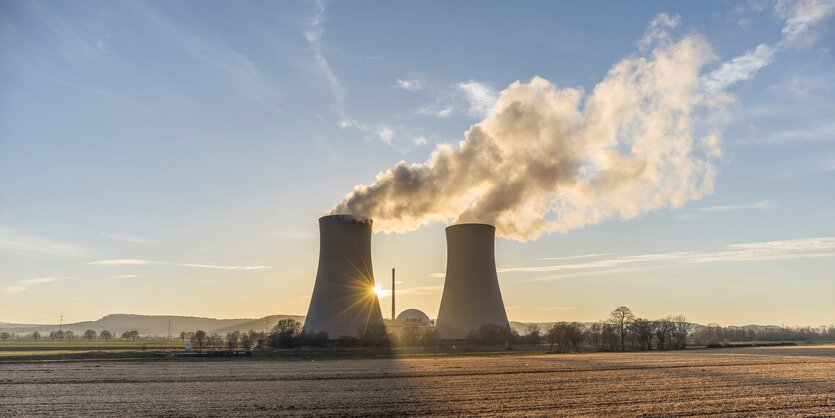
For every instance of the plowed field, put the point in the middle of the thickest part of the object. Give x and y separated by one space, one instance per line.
744 382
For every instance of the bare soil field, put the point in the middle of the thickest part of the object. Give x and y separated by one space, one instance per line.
779 381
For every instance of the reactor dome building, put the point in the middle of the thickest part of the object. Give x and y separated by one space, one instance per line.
344 303
414 317
471 296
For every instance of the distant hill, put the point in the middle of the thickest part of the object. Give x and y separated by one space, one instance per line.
158 324
155 324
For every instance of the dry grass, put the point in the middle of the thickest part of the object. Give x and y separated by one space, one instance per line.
759 381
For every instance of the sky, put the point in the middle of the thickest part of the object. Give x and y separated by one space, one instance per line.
174 157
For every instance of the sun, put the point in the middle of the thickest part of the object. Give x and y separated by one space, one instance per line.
380 292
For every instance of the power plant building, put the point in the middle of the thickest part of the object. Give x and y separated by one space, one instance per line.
471 296
344 303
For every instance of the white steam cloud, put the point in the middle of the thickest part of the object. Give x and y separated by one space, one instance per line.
549 159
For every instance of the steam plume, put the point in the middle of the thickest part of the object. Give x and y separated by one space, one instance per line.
550 159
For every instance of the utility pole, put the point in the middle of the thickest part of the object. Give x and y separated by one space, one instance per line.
61 324
392 293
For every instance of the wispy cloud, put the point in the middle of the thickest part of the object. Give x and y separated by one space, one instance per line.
658 28
441 112
409 84
437 275
244 75
313 35
125 276
802 19
20 243
757 251
130 238
383 133
571 257
420 290
757 205
25 284
741 68
481 97
135 262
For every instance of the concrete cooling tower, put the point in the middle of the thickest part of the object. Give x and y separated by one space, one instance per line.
471 297
344 302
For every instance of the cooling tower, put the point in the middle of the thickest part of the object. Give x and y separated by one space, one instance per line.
344 302
471 295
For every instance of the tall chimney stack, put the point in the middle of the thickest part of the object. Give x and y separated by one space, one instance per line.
392 293
471 297
344 303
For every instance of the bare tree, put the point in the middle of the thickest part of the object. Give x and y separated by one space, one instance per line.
621 318
593 334
36 336
199 338
106 335
285 333
642 330
69 335
534 335
5 336
90 334
662 329
247 340
232 339
681 328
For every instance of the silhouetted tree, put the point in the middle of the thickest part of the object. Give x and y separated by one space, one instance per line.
90 335
621 318
69 335
106 335
375 336
534 335
199 338
490 335
563 336
680 330
429 337
5 336
36 336
285 333
642 331
593 334
246 339
609 339
232 339
662 329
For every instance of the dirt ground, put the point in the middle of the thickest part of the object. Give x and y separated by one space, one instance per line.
785 381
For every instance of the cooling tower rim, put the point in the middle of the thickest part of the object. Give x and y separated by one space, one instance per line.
347 217
471 225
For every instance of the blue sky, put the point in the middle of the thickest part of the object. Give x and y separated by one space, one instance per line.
173 157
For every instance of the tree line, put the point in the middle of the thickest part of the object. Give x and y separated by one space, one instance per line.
68 335
713 334
621 331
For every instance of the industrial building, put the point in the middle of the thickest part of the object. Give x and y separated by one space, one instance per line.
344 303
471 297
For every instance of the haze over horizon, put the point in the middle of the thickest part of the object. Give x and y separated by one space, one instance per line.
173 158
